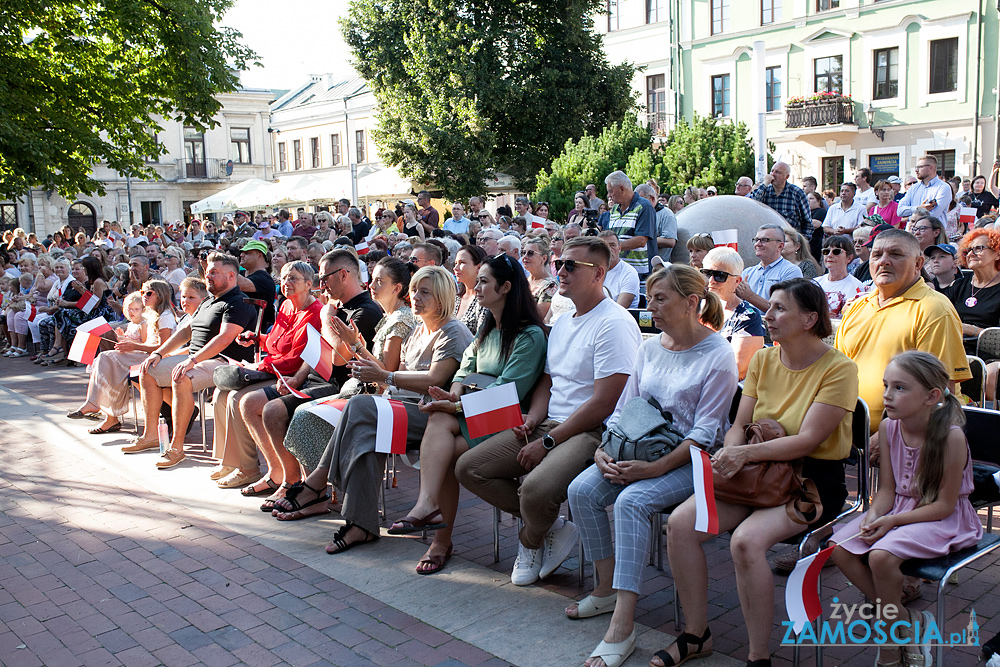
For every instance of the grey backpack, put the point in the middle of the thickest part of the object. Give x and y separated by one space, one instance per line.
643 432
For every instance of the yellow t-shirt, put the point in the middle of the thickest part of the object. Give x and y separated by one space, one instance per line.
918 319
787 395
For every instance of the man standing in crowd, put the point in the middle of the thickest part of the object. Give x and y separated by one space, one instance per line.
426 254
152 255
773 268
211 332
285 226
511 246
359 228
633 219
595 201
296 249
865 192
258 283
476 204
487 240
521 206
666 221
304 225
842 218
744 184
896 183
457 223
929 192
590 358
864 237
427 215
621 281
786 198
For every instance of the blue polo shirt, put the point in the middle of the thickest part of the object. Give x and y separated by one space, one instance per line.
760 278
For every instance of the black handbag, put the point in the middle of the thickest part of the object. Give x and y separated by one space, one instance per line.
233 378
477 381
643 432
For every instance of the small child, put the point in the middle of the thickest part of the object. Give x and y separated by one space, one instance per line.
921 508
133 309
17 323
7 294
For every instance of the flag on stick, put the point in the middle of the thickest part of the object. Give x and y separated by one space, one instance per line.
318 353
329 410
87 340
967 215
706 517
802 589
726 237
492 410
362 248
88 302
291 390
390 427
31 313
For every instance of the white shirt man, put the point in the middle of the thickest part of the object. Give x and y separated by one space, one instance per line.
866 193
521 206
843 217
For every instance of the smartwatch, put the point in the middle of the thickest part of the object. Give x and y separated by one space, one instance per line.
548 442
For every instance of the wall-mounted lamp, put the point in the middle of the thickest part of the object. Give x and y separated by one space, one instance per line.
877 131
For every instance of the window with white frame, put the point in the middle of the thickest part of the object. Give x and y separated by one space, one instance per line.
886 62
656 11
770 11
239 144
656 104
720 95
772 88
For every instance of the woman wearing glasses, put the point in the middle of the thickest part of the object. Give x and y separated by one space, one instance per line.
743 327
535 258
840 287
977 297
928 229
511 348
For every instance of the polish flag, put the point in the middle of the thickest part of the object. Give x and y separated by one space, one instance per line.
318 353
537 225
706 517
362 248
967 215
32 314
291 390
88 302
726 237
329 410
390 426
87 340
802 590
492 410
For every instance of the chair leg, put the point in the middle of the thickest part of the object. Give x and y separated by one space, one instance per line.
677 609
135 408
201 416
496 534
659 541
939 651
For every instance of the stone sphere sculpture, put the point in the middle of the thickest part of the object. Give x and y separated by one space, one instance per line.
719 213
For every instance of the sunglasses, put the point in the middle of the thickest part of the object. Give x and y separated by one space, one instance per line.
975 250
833 251
484 216
505 257
148 292
528 253
332 273
571 264
717 276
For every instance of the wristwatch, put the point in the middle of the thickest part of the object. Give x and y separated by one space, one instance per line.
390 380
357 346
548 442
458 407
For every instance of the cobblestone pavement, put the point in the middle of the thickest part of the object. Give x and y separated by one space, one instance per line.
96 569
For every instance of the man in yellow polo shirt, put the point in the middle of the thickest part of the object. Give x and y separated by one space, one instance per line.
901 313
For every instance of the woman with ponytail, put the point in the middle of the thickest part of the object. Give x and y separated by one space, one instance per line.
921 508
691 372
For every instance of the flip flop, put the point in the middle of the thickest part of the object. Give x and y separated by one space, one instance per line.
342 546
411 524
438 562
78 414
114 428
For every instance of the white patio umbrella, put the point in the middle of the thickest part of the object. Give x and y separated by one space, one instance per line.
251 193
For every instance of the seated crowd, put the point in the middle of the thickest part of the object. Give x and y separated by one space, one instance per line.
429 314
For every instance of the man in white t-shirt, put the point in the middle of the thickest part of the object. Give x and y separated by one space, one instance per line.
866 193
842 218
622 281
590 358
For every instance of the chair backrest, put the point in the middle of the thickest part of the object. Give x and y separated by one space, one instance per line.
734 408
860 427
988 344
981 428
975 388
261 305
644 319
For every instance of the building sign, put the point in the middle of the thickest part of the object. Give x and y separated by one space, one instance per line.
884 164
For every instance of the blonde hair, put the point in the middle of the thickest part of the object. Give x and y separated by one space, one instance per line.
687 280
442 286
726 257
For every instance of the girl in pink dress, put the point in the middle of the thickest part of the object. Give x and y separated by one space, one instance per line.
921 508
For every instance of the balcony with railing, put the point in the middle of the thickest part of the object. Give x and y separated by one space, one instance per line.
819 111
209 168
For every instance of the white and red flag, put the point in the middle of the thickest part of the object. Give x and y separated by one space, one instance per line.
492 410
726 237
292 390
390 426
362 248
329 410
87 340
535 224
318 353
88 302
967 215
706 518
802 589
31 313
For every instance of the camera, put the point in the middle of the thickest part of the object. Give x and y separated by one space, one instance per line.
590 217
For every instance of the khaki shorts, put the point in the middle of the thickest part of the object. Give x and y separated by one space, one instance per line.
201 375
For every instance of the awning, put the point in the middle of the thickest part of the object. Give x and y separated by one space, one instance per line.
309 188
384 183
251 193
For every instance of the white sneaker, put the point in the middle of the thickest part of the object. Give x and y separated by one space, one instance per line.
560 541
526 566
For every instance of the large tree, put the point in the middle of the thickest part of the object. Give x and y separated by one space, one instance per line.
467 88
81 80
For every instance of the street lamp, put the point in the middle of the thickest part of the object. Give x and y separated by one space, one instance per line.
878 132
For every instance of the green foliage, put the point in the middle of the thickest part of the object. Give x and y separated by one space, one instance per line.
80 81
468 88
706 152
589 160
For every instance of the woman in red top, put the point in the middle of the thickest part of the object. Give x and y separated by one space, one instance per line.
885 206
235 445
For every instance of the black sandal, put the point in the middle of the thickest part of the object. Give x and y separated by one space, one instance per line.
251 490
268 504
684 641
342 546
292 497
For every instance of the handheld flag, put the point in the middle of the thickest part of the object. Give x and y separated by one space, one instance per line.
318 353
87 340
362 248
291 390
537 225
967 215
88 302
391 426
329 410
802 589
492 410
31 313
726 237
706 517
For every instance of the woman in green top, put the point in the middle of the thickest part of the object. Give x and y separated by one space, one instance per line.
511 347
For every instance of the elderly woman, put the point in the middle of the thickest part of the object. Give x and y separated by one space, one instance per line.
467 308
308 434
742 327
535 257
234 444
45 280
174 273
108 390
431 355
47 326
690 371
510 347
841 288
811 389
928 229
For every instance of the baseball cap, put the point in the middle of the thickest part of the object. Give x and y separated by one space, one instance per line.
946 247
876 230
712 188
875 219
259 246
894 179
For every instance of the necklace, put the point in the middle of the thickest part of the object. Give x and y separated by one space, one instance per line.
972 300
